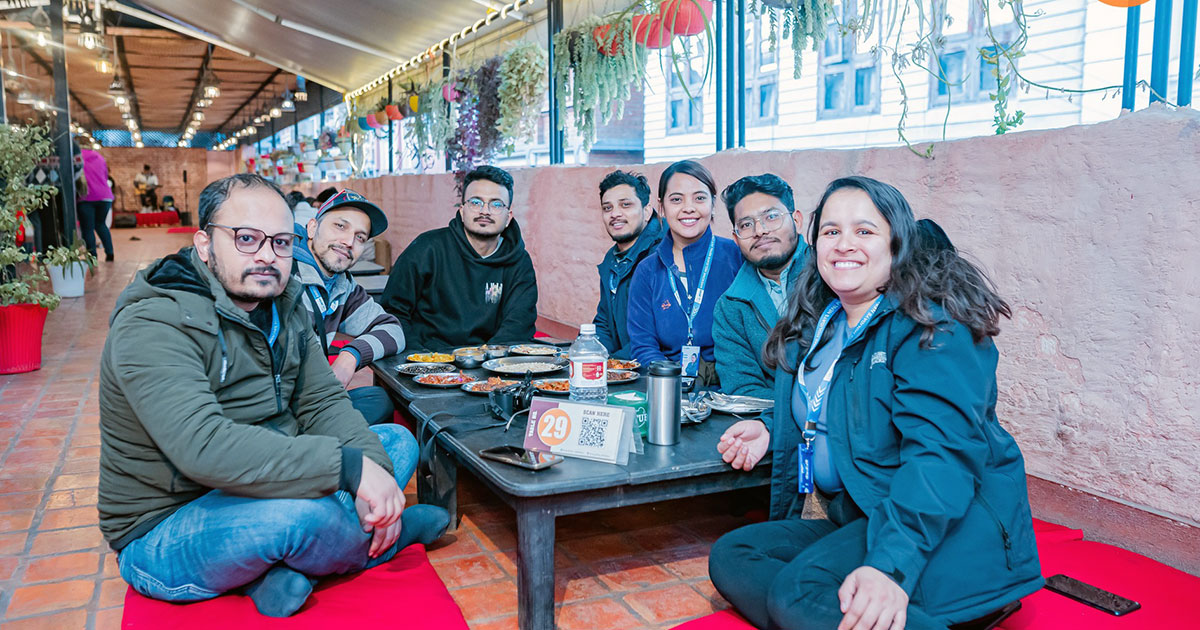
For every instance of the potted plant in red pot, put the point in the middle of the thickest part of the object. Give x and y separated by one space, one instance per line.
23 306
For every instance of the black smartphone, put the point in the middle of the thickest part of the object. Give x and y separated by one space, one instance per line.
1097 598
517 456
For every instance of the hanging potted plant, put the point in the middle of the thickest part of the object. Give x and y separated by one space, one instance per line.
651 31
67 266
23 307
522 86
596 84
686 17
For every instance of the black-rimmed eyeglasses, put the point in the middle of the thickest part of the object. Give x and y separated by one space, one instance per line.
250 240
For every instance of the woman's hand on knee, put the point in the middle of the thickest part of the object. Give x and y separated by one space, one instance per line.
871 600
744 444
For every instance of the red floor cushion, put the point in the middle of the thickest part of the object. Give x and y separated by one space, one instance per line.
405 592
1167 595
1164 593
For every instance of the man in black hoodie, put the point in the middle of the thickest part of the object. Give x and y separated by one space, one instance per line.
471 282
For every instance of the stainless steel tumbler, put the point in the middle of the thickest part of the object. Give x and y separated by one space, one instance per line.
664 392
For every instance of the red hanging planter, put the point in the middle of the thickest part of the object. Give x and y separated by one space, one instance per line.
686 17
393 112
21 337
602 36
649 31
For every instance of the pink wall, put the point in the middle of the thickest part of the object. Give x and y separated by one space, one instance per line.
1092 232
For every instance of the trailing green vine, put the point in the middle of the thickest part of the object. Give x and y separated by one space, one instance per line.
522 87
597 85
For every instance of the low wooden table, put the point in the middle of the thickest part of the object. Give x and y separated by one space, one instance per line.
690 468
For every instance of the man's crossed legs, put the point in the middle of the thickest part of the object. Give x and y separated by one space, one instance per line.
221 542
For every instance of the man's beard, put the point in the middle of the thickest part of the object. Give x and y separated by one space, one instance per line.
219 272
337 265
628 238
779 261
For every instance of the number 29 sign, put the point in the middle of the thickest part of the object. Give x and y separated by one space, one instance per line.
589 431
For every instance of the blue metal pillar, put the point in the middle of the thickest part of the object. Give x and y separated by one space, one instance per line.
1187 53
719 46
1159 60
1133 25
730 75
554 24
741 72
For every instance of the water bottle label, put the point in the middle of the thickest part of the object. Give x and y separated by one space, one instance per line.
589 373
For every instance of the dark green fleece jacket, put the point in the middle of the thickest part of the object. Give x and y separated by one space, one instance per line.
194 398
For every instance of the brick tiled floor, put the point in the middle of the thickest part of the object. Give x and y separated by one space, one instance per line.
641 567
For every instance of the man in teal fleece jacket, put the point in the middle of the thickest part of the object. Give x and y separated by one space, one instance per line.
766 227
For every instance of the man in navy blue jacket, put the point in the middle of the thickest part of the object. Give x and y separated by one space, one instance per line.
635 229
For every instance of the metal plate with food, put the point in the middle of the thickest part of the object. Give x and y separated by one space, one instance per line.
417 369
483 387
622 364
534 349
616 377
693 412
738 404
430 357
522 365
553 386
444 379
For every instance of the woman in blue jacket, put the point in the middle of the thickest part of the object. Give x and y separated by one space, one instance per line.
674 289
892 420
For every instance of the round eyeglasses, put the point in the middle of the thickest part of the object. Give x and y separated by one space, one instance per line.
770 221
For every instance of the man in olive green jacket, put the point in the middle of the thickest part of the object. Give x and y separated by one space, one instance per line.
230 454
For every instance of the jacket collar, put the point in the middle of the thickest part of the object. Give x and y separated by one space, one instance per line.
646 241
748 285
694 251
285 303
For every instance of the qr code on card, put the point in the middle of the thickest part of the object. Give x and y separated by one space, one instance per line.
593 431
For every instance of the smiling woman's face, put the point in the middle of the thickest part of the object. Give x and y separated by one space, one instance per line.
688 207
854 247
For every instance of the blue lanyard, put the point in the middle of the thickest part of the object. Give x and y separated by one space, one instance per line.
319 302
817 399
699 299
274 326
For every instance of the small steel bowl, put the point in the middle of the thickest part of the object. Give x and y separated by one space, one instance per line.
469 361
497 352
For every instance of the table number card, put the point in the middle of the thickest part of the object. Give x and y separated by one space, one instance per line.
590 431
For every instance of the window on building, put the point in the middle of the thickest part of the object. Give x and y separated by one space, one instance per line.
685 109
848 80
762 75
967 58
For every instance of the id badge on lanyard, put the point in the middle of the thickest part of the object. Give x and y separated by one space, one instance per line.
690 352
816 400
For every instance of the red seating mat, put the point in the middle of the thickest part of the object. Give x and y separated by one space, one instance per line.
1166 594
403 593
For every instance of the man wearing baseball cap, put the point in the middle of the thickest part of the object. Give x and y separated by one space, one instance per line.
335 241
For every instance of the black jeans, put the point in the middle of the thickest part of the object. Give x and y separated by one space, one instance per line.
785 574
91 223
373 403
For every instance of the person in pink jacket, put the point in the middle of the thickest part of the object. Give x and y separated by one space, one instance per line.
95 204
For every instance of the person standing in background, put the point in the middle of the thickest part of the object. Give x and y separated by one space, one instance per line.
95 203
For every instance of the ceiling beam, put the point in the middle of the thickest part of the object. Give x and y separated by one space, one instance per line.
46 66
261 87
134 106
154 33
187 108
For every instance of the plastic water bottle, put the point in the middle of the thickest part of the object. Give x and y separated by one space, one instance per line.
589 367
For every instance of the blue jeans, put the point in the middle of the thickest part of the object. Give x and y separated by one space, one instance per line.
220 542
